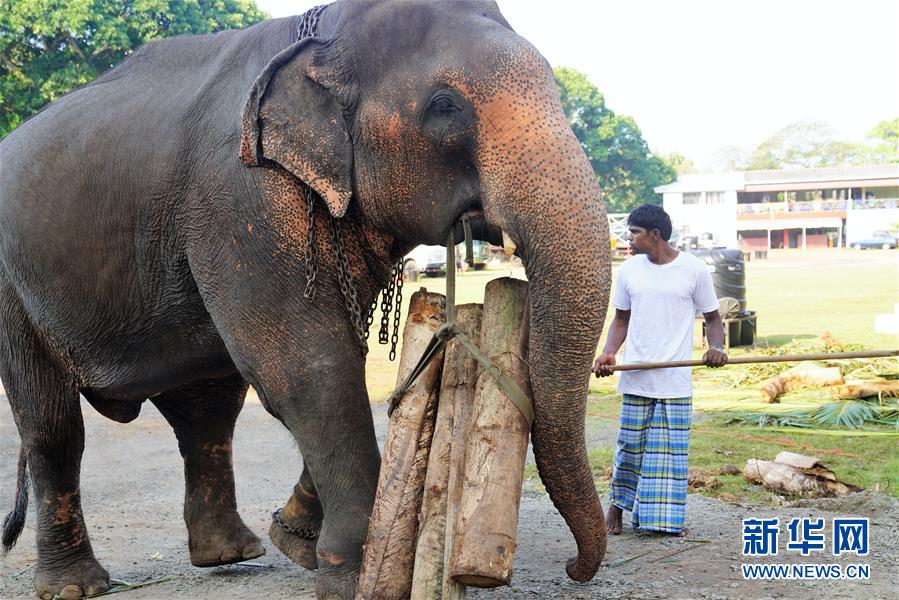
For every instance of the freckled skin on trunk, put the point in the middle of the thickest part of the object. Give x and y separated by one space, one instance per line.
538 186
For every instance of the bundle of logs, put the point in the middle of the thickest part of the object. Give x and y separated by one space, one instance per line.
797 475
446 509
811 375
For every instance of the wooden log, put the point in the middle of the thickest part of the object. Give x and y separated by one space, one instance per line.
810 465
386 572
799 377
816 481
884 388
485 536
430 579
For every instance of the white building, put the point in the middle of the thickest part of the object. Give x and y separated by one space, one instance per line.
759 210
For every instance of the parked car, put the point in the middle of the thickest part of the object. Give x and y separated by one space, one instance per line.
429 260
878 239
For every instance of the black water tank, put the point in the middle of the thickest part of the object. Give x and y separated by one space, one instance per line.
728 272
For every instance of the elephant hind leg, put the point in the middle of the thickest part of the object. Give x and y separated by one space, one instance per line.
203 414
44 400
294 531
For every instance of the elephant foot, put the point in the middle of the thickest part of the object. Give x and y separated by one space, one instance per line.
222 540
83 577
335 582
298 549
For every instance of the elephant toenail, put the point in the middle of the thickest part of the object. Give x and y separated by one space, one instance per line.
70 592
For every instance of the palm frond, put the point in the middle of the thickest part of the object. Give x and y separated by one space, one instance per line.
845 413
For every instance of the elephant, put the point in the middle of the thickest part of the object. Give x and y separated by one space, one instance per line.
161 228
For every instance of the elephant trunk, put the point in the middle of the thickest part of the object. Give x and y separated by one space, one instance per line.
539 187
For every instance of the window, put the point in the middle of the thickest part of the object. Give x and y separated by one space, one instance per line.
714 197
691 197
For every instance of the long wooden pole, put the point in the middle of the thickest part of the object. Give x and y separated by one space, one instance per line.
745 360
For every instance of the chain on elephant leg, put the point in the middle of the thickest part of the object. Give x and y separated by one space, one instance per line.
295 527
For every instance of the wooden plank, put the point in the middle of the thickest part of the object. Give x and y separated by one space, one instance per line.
485 537
389 551
431 580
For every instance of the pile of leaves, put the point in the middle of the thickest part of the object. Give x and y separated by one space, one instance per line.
842 414
846 414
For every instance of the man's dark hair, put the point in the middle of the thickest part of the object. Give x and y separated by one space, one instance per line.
649 217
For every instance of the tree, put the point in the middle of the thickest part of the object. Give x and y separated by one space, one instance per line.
731 158
680 163
883 146
802 145
626 169
50 47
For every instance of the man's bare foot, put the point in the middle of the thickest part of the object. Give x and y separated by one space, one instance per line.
613 520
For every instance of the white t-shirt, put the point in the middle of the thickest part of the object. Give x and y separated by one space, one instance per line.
663 300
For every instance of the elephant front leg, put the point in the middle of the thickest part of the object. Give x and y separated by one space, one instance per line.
295 526
203 414
328 412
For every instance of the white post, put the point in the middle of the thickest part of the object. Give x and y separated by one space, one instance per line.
769 238
803 238
840 236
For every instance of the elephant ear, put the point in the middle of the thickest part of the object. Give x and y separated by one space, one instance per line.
294 118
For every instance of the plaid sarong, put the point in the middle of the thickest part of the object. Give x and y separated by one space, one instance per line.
649 475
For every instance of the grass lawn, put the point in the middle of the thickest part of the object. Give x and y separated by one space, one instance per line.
798 296
867 459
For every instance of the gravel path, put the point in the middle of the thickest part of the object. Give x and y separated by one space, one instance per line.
132 494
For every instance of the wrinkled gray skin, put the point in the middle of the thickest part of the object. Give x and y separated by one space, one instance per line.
152 227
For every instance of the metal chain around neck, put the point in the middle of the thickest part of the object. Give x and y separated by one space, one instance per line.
311 260
308 25
347 286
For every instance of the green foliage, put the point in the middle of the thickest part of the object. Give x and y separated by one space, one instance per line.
49 47
753 374
842 414
620 157
883 144
680 163
803 145
812 144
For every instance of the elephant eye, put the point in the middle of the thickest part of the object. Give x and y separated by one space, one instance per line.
444 104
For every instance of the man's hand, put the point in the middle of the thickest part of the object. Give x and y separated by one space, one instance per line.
602 364
715 357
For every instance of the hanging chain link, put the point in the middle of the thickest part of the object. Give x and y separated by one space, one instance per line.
386 308
397 315
311 261
392 296
347 287
371 315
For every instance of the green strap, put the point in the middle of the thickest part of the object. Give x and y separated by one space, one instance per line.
441 338
506 383
450 330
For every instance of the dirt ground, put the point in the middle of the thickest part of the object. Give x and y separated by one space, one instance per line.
132 490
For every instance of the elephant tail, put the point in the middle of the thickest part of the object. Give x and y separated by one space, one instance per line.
15 520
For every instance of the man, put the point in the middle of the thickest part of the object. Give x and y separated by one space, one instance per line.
656 295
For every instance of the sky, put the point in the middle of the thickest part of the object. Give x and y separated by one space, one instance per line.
700 75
